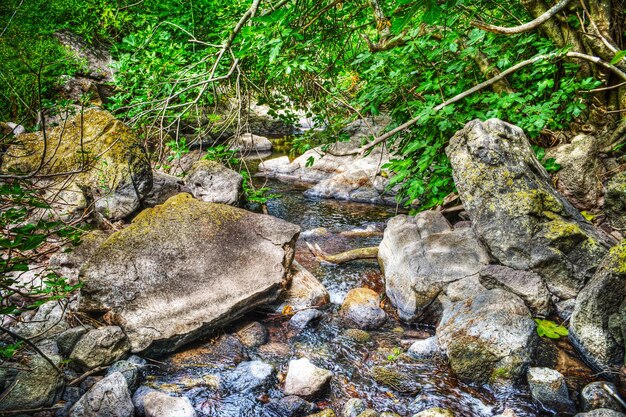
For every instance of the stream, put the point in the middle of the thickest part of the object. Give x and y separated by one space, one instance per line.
367 365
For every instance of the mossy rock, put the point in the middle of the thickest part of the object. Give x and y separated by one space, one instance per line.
99 154
358 335
397 379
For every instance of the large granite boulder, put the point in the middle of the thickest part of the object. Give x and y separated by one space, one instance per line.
186 268
421 255
516 212
598 324
349 177
489 338
98 158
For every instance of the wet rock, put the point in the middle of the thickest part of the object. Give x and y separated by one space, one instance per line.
130 371
389 414
109 397
249 142
580 169
119 174
435 412
158 404
67 340
291 406
274 350
601 412
507 413
350 177
489 338
515 211
361 308
212 182
598 324
615 201
247 377
305 379
100 347
164 186
594 396
253 335
565 308
420 255
304 318
186 268
36 384
525 284
369 413
324 413
423 349
396 378
304 290
353 407
548 389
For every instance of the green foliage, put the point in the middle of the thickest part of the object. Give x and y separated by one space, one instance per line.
549 164
395 354
548 328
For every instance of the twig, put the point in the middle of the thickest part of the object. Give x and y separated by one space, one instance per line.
525 27
33 346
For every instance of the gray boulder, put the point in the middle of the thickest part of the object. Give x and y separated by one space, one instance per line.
489 338
361 309
247 377
164 186
516 212
100 347
525 284
131 372
615 201
186 268
421 255
48 322
248 142
580 169
67 340
108 397
37 383
158 404
594 396
548 389
212 182
305 379
598 324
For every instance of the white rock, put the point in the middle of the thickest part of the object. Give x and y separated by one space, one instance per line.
305 379
158 404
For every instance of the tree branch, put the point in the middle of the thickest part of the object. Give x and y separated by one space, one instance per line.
526 26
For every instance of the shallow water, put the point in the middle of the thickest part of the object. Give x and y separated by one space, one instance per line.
424 384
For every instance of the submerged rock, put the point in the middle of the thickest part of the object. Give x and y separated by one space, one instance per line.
305 379
516 212
598 324
361 308
186 268
435 412
397 379
353 407
489 338
420 255
106 158
212 182
548 389
108 397
247 377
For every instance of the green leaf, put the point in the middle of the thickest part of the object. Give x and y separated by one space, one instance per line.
549 329
618 57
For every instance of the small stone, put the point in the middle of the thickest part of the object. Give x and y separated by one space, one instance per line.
108 397
353 407
291 406
389 414
252 335
324 413
361 308
304 318
435 412
158 404
130 371
423 349
247 377
548 389
100 347
369 413
305 379
594 396
395 378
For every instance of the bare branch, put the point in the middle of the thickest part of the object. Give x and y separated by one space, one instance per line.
526 26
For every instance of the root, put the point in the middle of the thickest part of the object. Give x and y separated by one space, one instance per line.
341 258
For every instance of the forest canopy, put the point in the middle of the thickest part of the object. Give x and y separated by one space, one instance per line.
553 68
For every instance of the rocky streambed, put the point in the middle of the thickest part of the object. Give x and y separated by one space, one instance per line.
201 308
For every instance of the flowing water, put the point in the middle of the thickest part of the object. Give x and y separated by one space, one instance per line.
368 365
